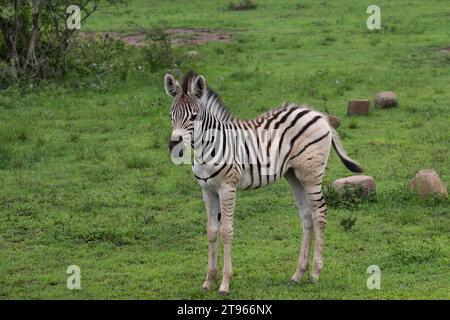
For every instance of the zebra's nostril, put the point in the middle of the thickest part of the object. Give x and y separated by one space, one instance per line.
173 143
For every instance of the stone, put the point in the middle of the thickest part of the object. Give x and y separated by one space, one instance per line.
192 54
428 183
386 99
358 107
364 186
334 121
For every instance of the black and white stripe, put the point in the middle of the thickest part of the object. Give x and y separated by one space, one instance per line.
292 141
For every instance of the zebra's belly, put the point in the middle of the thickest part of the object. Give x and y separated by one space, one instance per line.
205 175
254 177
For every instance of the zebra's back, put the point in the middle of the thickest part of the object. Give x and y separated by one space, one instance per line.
289 136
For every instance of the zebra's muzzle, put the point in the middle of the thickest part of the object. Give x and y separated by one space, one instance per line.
174 143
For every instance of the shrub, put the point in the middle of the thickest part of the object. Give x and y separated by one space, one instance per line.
36 38
350 197
8 75
158 54
94 57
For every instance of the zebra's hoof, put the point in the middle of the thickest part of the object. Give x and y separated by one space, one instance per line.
224 288
224 293
207 285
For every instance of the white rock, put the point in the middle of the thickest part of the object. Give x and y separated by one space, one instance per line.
386 99
364 184
427 183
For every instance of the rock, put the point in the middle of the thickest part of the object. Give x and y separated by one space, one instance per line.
363 186
386 99
358 107
192 54
334 121
428 183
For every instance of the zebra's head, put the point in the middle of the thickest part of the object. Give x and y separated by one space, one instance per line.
185 107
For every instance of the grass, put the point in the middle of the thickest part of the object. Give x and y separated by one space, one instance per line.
86 178
244 5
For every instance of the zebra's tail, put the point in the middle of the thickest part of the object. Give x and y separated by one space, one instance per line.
351 165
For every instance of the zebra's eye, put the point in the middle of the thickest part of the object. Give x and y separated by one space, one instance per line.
193 116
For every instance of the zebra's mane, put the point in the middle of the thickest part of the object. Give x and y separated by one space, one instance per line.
211 101
215 107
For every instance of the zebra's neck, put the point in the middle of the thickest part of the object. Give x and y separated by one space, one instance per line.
213 108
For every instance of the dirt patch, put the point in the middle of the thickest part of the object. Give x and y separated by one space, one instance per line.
198 36
178 37
445 50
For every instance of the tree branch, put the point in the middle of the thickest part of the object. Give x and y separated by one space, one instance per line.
36 17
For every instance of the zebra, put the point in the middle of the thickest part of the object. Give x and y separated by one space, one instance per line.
302 148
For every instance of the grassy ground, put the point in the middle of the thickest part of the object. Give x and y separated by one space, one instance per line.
86 178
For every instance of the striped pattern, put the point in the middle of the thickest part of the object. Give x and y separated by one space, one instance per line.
292 141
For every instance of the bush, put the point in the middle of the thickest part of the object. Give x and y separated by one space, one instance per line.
8 75
158 54
351 197
96 56
35 36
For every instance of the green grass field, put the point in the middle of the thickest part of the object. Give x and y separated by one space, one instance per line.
86 176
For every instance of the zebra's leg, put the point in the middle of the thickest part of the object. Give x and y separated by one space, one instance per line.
307 225
227 196
319 217
212 204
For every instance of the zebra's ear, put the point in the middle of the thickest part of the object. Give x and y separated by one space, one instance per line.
199 87
171 85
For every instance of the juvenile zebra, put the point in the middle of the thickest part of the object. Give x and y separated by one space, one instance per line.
291 141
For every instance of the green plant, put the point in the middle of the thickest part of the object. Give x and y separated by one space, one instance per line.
137 162
150 234
347 222
301 5
93 58
158 54
350 197
353 125
325 100
8 75
36 37
244 5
